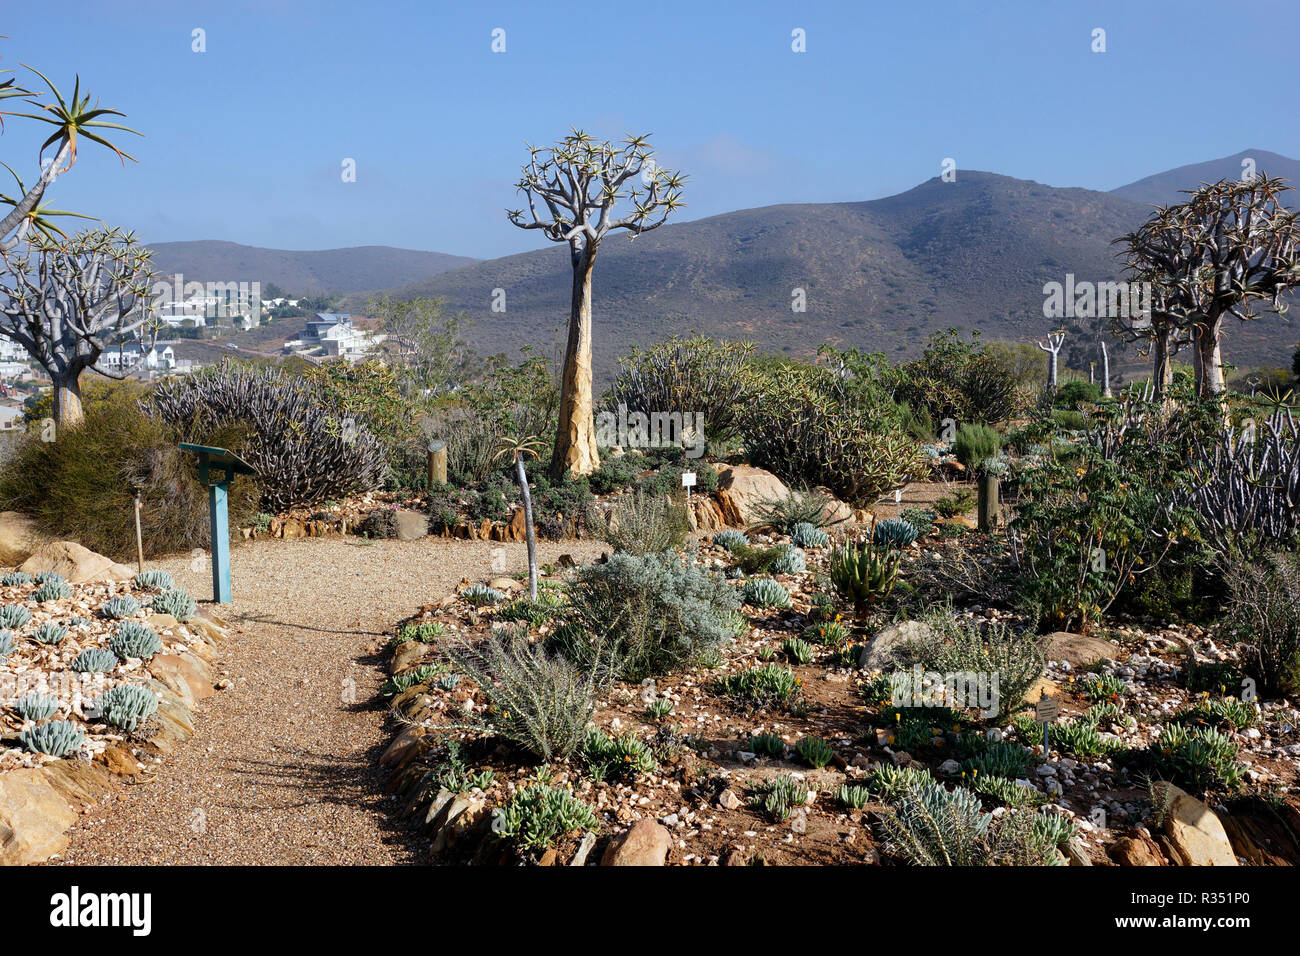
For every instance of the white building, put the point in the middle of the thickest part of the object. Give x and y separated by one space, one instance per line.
333 335
158 358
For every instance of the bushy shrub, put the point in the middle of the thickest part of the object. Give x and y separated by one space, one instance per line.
615 758
538 701
1198 758
975 444
52 591
769 685
779 797
789 560
816 752
13 616
864 573
50 633
16 579
480 595
647 614
922 519
956 646
304 449
689 376
641 524
958 380
1077 392
80 486
799 506
807 425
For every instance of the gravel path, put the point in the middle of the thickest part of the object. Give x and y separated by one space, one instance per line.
282 768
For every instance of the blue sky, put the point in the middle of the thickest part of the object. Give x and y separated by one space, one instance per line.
245 141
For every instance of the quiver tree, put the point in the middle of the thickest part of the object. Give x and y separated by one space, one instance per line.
1053 349
66 302
572 189
1229 250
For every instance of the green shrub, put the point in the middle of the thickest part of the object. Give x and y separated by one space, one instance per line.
1264 618
975 444
117 608
6 645
767 686
1002 759
641 524
547 607
52 591
426 632
958 503
853 796
799 506
814 751
645 615
1197 758
615 758
1076 392
767 745
797 651
537 815
956 646
153 580
1081 738
730 539
789 560
894 533
864 573
1220 712
16 579
50 633
958 380
779 797
79 486
538 701
480 595
922 519
889 782
829 633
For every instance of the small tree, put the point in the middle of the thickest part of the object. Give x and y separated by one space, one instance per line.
517 449
425 340
1053 349
578 182
66 302
1226 251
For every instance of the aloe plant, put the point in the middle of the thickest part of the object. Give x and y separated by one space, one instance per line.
864 573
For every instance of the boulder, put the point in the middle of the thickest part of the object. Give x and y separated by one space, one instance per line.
646 844
1137 850
188 676
34 818
1080 650
836 511
1193 834
879 652
409 525
517 530
408 654
18 538
743 488
705 515
75 563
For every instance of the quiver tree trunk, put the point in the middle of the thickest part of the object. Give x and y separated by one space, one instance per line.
68 411
575 438
522 476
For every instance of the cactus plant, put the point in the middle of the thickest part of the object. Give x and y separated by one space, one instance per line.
52 591
57 738
730 539
94 660
864 573
50 633
153 580
135 639
894 533
34 705
16 579
807 535
128 705
122 606
176 602
789 560
14 616
764 592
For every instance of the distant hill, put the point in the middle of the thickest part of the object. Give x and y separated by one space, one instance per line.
354 269
1165 188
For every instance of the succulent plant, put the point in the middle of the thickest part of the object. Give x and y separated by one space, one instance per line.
122 606
94 660
764 592
57 738
853 796
153 580
14 616
806 535
789 560
34 705
481 594
894 533
6 644
135 639
830 633
864 573
767 745
52 591
814 751
15 578
176 602
128 705
730 539
45 577
779 796
797 651
50 633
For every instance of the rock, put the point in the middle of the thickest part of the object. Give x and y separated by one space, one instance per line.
505 585
1136 851
407 654
34 818
1038 688
646 844
517 530
409 525
950 767
584 849
189 676
1081 650
727 800
743 488
402 746
1193 834
75 563
119 761
292 528
879 652
18 538
705 515
174 721
836 511
462 815
1076 852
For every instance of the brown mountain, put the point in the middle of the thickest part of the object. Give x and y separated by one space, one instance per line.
302 272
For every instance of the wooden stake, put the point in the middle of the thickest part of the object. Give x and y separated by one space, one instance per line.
139 538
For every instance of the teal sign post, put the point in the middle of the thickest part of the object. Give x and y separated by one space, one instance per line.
217 469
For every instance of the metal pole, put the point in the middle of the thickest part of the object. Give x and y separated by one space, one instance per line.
220 540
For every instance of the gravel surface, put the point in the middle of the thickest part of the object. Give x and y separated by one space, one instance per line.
282 766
